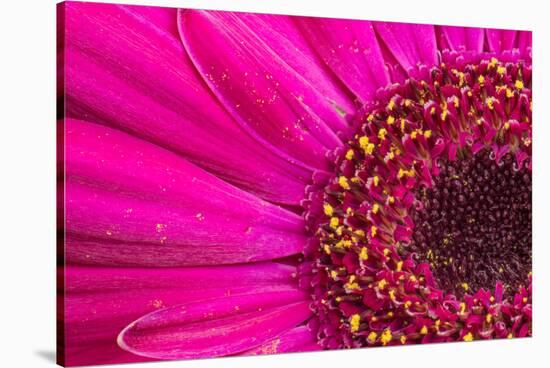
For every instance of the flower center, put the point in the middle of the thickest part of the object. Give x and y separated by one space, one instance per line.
423 234
474 225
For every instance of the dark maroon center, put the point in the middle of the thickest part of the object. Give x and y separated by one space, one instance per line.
475 227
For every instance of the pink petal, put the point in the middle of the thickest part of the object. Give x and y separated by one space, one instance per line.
270 99
125 67
99 302
463 38
410 44
500 40
129 202
298 339
217 327
350 49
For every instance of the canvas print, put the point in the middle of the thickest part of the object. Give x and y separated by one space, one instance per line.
239 184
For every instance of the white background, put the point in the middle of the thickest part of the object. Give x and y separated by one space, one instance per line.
27 181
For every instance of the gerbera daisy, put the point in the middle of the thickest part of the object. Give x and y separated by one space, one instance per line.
244 184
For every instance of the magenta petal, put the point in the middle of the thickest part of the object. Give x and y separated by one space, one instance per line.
524 40
299 339
350 49
216 327
500 40
410 44
463 38
269 98
148 87
101 301
129 202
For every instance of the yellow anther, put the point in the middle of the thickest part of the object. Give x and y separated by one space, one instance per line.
408 102
492 299
334 222
506 126
386 251
386 336
399 266
412 278
468 337
414 134
363 255
509 93
363 141
493 62
328 209
488 317
444 115
465 286
360 232
343 181
424 330
382 132
354 322
432 110
501 70
347 243
390 120
391 199
490 103
519 84
326 248
391 105
338 299
333 274
391 293
373 231
370 118
403 123
408 303
382 284
376 180
462 307
371 338
375 208
349 154
510 335
389 314
427 134
403 339
481 79
524 300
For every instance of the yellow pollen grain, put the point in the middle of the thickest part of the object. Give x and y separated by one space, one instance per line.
391 199
403 339
399 266
373 231
391 105
371 338
333 274
363 255
403 123
349 154
329 211
382 284
465 286
481 79
363 141
334 222
391 293
509 93
468 337
390 120
408 303
375 208
488 317
326 248
414 134
343 181
519 84
427 134
424 330
382 132
501 70
376 180
444 115
386 251
354 322
386 336
462 307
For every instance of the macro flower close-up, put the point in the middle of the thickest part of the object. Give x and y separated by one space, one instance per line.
242 184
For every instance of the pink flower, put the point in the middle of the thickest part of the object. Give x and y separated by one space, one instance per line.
243 184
